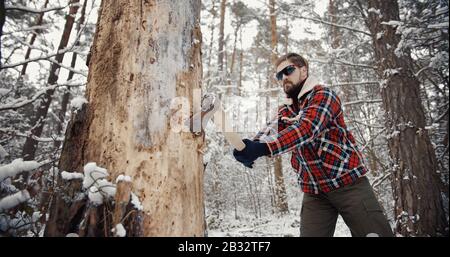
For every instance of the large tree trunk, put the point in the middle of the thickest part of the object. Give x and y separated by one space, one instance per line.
144 55
418 204
38 122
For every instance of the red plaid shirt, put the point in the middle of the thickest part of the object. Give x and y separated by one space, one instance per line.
324 153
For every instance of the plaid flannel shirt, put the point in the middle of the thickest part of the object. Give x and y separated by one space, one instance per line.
324 154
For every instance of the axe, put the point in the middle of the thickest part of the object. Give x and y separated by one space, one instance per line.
211 106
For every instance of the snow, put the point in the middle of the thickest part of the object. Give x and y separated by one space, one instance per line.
392 23
95 196
135 201
271 226
119 230
3 152
17 166
4 91
100 188
123 178
390 72
78 102
380 35
71 175
442 25
92 173
13 200
107 188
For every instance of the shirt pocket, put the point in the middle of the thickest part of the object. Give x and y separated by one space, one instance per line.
334 158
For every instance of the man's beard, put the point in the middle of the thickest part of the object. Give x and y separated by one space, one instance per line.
293 90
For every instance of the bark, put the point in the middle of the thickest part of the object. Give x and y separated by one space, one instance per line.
286 37
140 61
221 35
33 38
38 122
233 55
2 21
280 190
211 41
241 68
66 96
273 31
419 207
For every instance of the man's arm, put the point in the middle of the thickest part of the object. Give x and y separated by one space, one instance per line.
313 120
273 127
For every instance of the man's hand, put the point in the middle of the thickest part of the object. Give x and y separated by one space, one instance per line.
252 151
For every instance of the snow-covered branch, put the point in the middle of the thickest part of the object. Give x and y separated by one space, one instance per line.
325 22
32 10
40 27
363 101
69 68
18 103
366 124
354 83
69 48
13 200
17 166
39 139
340 62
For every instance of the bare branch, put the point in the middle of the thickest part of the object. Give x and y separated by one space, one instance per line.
28 9
363 101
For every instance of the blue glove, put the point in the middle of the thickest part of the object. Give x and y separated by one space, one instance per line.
252 151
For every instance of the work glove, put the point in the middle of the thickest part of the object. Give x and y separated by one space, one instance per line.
252 151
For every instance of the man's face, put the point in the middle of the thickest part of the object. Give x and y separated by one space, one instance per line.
291 81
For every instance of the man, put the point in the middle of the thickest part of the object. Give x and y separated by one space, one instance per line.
324 155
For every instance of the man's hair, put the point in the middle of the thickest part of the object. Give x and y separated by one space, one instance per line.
295 59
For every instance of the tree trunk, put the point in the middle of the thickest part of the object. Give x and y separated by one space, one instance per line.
66 96
2 21
418 204
29 149
33 38
233 55
273 31
144 55
221 35
280 190
211 43
286 36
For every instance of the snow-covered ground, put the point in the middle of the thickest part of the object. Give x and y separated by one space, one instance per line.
273 226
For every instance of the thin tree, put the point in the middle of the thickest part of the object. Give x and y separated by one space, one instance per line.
280 189
38 122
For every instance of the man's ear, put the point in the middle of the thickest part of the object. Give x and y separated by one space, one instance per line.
303 69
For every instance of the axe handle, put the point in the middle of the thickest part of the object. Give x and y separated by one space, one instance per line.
232 137
235 140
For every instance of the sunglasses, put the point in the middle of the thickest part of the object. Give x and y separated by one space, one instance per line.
288 70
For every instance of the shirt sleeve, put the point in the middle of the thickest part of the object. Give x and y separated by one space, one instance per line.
323 107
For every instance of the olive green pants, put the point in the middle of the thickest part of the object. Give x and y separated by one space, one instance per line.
356 204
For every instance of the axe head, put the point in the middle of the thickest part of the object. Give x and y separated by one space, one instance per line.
198 121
